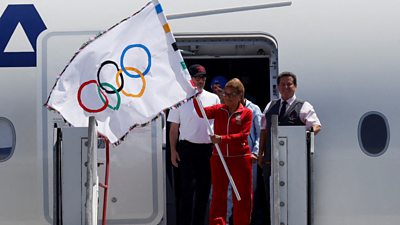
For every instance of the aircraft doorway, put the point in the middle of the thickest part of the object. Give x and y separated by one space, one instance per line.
252 57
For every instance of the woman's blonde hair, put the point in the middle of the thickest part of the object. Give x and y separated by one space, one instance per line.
236 85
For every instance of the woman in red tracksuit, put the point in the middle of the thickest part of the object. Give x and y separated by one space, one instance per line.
232 122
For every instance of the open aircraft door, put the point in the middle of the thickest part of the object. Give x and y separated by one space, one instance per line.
291 174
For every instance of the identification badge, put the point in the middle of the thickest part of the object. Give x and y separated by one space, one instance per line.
238 120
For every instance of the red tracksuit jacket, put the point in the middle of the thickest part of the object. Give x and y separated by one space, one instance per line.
234 129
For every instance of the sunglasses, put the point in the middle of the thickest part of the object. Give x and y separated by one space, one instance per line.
200 77
229 95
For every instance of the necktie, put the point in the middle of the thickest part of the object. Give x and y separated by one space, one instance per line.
283 110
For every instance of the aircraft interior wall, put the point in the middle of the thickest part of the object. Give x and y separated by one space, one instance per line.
253 72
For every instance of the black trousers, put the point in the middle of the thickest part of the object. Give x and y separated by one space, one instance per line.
195 177
261 207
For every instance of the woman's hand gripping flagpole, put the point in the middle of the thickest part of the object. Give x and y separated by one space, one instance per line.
203 113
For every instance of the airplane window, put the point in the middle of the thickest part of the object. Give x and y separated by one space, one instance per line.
373 133
7 139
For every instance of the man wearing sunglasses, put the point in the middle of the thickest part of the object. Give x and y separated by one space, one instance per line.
191 154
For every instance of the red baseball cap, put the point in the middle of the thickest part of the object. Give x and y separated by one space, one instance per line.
197 70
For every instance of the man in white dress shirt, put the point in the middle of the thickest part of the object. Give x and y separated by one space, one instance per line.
192 153
291 111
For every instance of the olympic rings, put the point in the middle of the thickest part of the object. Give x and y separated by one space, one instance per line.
120 85
101 84
143 81
83 106
148 60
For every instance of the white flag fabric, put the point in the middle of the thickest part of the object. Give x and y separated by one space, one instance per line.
125 77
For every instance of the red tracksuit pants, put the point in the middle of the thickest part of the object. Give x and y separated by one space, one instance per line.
241 170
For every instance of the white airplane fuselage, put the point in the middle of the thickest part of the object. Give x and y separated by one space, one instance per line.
344 52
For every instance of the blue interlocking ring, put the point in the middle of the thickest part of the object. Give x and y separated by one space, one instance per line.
148 60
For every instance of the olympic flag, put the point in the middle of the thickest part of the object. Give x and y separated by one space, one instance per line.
125 77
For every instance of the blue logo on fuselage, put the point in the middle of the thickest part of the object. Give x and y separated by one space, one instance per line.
32 24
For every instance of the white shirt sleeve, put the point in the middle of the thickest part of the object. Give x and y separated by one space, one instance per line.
308 115
263 119
173 116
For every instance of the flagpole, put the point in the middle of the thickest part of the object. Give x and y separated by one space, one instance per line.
203 113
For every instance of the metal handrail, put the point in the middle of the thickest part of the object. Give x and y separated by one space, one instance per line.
105 185
91 179
275 169
228 10
310 172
